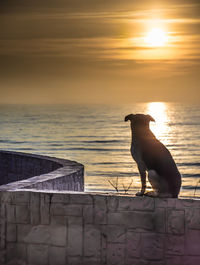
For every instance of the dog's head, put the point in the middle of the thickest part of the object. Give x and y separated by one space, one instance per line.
139 120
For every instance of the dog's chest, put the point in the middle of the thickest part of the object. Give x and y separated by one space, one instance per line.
136 153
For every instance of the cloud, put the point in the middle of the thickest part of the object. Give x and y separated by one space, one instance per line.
94 44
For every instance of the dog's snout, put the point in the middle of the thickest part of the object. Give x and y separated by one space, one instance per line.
126 118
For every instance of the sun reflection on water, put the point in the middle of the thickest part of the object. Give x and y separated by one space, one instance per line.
158 110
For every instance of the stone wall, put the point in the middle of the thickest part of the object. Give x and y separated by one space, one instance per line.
50 228
22 170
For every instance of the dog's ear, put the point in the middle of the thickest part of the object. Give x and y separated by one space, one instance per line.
128 117
150 118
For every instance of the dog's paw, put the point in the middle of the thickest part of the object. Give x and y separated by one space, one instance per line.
151 194
139 193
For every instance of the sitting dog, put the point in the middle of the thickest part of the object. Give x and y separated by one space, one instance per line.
153 157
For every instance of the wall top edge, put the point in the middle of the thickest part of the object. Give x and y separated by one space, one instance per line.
103 194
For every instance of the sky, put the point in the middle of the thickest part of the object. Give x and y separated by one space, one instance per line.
96 51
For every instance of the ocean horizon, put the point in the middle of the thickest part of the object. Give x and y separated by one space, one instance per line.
98 137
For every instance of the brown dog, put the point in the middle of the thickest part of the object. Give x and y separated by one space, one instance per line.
153 157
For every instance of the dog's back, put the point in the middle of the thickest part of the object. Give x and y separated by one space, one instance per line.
157 157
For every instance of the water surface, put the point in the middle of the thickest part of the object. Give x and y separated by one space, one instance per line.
98 137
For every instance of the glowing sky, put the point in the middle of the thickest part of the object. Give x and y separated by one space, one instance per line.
95 51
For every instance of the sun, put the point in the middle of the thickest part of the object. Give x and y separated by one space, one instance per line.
156 37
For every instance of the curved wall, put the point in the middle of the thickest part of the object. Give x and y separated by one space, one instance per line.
21 170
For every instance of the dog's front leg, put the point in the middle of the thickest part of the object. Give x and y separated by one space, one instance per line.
142 172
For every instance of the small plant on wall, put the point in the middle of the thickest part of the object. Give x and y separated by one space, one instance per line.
196 187
115 185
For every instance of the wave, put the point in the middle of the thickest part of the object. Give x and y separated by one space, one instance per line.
191 175
189 164
12 142
26 149
189 187
95 149
103 141
112 174
112 163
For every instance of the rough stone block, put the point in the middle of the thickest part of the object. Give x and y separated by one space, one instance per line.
113 202
7 197
100 201
16 254
136 220
23 231
38 235
60 198
69 210
43 234
58 220
22 251
48 197
100 210
11 233
38 254
57 256
3 210
10 210
196 203
132 261
116 234
192 218
58 235
176 222
184 203
81 198
75 260
35 208
21 196
22 214
88 214
174 245
75 236
44 210
91 261
160 220
100 216
133 244
189 260
173 260
92 241
103 244
73 210
115 254
136 203
11 253
192 238
152 246
165 203
2 233
157 263
57 209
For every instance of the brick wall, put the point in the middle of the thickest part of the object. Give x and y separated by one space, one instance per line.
80 228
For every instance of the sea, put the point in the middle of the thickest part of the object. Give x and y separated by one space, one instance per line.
98 137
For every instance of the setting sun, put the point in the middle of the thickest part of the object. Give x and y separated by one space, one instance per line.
156 37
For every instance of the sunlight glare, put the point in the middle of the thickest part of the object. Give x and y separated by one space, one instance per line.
156 37
158 110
